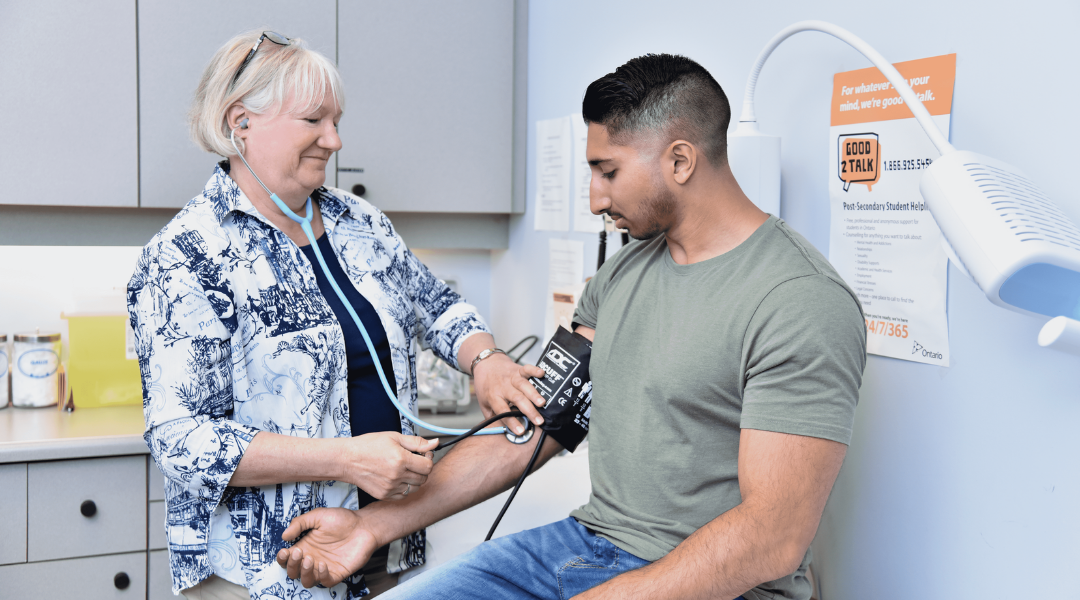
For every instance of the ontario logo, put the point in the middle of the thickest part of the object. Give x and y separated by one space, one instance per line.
859 157
917 348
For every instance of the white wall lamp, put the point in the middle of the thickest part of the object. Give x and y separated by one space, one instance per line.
999 229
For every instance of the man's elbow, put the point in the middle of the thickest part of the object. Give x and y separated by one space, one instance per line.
784 545
792 556
781 560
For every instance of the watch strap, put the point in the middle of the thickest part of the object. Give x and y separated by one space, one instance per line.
484 354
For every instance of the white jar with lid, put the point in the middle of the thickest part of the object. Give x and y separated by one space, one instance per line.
5 369
33 369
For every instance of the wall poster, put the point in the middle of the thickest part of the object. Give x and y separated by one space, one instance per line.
883 240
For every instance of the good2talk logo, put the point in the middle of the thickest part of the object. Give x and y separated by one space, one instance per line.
859 159
918 348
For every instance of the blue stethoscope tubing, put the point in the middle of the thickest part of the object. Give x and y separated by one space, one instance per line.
305 224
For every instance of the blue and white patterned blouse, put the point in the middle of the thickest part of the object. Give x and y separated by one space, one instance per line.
234 337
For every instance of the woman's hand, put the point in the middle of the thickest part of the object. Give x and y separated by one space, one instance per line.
335 546
500 382
386 464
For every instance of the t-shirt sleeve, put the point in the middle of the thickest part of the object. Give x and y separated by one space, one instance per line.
804 352
588 307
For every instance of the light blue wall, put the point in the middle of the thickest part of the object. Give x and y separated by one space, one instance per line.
961 482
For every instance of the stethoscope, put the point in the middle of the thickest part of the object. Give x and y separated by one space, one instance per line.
305 224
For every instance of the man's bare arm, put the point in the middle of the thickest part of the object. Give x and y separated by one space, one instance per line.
785 481
477 469
340 541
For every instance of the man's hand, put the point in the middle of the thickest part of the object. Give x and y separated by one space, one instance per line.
336 546
500 382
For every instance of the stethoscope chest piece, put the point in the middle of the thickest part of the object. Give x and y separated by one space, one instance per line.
525 437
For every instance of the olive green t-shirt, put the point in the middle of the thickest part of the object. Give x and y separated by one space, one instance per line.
765 336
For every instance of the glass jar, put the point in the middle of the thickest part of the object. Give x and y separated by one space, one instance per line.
33 373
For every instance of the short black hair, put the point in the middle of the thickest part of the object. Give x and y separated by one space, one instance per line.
668 94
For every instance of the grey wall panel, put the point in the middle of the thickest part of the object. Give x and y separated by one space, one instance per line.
68 103
429 114
12 513
176 41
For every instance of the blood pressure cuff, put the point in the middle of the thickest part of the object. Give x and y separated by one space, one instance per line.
567 387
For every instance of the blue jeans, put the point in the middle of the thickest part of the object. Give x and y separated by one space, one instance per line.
559 560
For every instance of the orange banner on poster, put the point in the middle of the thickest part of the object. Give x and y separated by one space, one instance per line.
866 96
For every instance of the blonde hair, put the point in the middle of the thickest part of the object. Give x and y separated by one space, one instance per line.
275 74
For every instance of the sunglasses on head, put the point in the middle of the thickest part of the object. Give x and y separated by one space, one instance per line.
273 36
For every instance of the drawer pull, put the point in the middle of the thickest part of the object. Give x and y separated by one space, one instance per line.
121 581
88 508
359 190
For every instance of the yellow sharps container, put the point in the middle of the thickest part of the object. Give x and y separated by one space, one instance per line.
102 367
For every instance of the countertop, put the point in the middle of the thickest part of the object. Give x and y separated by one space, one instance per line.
32 434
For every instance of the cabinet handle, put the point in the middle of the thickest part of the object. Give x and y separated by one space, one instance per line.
121 581
88 508
359 189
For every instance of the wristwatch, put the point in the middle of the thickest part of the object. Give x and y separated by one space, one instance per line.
483 354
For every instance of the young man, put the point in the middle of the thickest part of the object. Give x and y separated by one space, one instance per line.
726 365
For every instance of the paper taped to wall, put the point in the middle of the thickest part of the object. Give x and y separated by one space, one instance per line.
883 241
584 220
553 145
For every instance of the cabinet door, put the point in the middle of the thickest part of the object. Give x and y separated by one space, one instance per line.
428 123
155 535
159 582
115 577
176 41
12 513
68 103
156 480
61 524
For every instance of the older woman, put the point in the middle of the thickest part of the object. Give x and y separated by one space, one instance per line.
262 399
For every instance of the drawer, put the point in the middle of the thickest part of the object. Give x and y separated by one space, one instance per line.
157 481
93 578
113 490
159 586
157 526
12 513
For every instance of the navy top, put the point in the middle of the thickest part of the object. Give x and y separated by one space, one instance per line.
369 408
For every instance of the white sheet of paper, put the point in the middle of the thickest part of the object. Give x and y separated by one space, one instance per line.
584 220
886 245
566 266
553 146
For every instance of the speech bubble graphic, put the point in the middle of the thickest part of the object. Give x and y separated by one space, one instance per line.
859 158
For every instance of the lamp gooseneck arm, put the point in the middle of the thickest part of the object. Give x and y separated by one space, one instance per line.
748 119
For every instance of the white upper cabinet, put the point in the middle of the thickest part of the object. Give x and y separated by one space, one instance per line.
94 98
68 103
429 103
176 41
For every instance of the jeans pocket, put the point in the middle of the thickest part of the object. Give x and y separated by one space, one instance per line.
580 574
